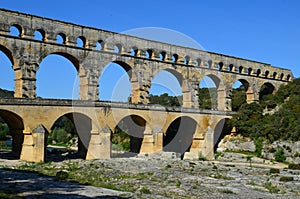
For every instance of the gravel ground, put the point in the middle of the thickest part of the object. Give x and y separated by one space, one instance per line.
151 177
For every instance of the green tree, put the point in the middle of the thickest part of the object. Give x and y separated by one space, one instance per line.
4 130
283 124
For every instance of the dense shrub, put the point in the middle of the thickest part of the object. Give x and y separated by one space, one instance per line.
284 124
3 131
279 155
286 179
294 166
59 135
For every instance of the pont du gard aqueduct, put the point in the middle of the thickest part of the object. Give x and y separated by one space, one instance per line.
30 118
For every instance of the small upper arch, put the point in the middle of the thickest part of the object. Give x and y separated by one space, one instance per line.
16 30
81 42
61 38
40 34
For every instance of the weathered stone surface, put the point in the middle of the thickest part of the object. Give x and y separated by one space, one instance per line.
156 178
291 150
236 144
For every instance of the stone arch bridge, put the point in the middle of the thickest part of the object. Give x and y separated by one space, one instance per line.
90 50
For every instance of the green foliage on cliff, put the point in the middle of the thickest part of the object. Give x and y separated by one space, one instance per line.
6 93
283 124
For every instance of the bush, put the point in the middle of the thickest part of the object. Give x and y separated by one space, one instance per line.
274 170
294 166
279 155
259 146
286 179
59 135
3 131
61 175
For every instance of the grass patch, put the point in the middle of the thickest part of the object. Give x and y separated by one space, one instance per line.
271 188
145 191
286 179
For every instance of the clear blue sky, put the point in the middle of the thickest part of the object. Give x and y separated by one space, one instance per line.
262 30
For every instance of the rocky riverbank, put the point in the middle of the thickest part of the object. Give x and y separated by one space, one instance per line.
149 177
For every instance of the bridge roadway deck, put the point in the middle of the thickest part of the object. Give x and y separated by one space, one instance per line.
96 104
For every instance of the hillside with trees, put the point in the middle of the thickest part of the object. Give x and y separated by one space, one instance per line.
276 117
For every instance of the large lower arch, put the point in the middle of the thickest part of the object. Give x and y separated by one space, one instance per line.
77 128
57 76
132 129
16 127
179 135
115 82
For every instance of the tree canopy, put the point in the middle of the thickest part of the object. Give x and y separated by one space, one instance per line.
263 120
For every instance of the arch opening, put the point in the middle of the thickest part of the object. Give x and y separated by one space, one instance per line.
134 51
57 77
239 94
81 42
266 91
220 66
250 71
186 60
209 64
166 88
230 68
100 45
179 135
15 30
198 62
258 72
175 58
114 82
69 137
117 48
149 53
61 38
39 35
11 135
127 137
241 68
267 73
7 74
208 92
162 56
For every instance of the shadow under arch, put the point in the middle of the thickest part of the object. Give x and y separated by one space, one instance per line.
16 127
130 132
81 126
222 129
179 135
